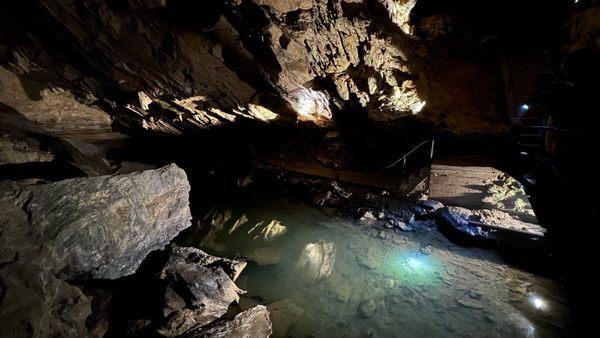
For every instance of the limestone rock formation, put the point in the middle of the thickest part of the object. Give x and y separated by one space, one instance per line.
175 67
29 106
253 322
101 227
200 289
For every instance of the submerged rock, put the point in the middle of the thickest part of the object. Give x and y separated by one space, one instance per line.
265 256
317 259
367 308
273 230
200 289
253 323
368 259
101 227
284 314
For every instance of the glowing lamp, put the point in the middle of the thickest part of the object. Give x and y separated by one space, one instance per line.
538 303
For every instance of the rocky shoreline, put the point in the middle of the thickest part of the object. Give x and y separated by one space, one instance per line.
67 249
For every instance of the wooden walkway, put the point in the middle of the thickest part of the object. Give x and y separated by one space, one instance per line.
393 181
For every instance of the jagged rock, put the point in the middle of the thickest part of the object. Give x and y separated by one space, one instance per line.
497 218
30 106
258 59
233 268
34 303
200 289
432 205
250 323
17 150
341 191
368 217
101 227
284 314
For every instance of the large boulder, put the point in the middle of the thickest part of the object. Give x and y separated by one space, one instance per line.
200 289
100 227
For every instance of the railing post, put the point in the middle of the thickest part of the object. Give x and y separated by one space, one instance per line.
432 147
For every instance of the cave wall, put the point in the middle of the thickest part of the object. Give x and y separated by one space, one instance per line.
176 67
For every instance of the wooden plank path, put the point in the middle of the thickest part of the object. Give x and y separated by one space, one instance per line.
393 181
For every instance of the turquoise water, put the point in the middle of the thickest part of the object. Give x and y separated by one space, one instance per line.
329 276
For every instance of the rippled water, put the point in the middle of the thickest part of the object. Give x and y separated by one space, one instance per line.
334 277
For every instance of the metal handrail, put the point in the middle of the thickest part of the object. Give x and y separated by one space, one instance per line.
415 148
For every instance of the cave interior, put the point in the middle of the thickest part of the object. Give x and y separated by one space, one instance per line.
298 168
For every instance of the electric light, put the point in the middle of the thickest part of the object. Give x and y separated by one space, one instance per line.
524 107
538 303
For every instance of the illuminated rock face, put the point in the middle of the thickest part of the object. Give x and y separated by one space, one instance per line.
200 289
101 227
177 67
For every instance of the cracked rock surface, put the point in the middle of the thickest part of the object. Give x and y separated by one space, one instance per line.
101 227
200 289
177 67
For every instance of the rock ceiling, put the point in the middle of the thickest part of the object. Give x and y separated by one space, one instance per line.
175 67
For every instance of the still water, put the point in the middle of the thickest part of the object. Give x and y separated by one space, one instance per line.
331 276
